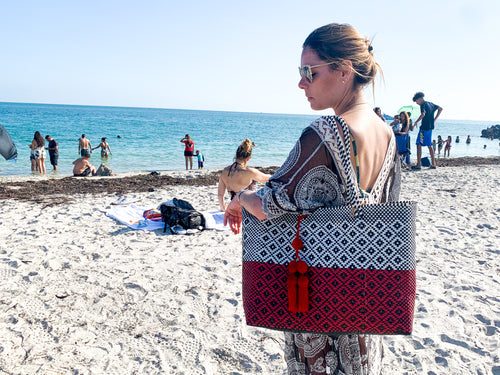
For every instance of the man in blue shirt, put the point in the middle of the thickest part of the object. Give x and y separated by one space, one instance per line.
424 137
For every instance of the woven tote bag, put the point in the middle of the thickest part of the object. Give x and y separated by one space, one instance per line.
337 270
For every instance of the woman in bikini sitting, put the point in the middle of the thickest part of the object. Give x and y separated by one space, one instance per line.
238 176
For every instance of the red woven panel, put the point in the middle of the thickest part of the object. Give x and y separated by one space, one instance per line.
341 300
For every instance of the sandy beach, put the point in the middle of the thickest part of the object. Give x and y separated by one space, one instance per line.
81 293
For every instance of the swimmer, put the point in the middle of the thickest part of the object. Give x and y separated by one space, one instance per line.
105 150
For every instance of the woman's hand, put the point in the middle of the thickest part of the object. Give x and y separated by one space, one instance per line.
232 216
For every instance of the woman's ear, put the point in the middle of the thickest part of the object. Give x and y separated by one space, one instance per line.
346 70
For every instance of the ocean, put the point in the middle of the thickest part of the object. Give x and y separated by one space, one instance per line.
148 139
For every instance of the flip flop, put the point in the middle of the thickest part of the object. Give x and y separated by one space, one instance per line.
177 229
432 167
415 168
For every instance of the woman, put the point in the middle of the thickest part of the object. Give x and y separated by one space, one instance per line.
402 139
447 146
238 176
32 147
440 144
38 153
188 150
105 149
336 65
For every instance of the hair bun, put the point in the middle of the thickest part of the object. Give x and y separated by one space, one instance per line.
245 149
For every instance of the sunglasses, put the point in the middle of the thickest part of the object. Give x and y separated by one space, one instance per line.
305 71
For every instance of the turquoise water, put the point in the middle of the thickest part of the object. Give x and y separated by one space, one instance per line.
150 137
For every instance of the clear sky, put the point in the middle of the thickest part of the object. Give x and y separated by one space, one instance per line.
243 55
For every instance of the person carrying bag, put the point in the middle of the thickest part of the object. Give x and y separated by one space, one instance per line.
339 174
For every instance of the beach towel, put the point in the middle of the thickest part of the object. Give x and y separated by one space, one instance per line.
132 217
214 219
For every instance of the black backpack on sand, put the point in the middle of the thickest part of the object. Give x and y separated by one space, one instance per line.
183 214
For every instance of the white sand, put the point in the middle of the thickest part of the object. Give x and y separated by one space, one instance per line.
82 294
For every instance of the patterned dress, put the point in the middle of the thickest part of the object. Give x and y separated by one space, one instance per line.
312 177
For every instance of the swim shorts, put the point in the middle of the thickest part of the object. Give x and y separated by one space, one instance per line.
53 159
83 151
188 153
86 172
424 138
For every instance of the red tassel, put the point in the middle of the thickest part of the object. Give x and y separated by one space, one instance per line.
298 294
292 293
303 283
301 267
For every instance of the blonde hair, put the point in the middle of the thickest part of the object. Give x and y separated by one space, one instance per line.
244 149
340 42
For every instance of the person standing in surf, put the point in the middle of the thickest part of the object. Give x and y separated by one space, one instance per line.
188 150
53 149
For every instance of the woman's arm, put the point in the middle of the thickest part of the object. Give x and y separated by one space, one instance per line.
100 144
250 201
220 193
259 176
403 131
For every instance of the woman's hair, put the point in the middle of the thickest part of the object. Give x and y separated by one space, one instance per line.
244 149
339 42
39 139
405 121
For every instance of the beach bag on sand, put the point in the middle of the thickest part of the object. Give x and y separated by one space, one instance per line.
181 213
337 270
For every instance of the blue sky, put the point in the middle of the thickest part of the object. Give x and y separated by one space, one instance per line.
243 56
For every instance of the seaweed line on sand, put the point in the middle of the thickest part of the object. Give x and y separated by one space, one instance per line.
56 191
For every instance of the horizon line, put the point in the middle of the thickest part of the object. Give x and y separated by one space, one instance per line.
207 110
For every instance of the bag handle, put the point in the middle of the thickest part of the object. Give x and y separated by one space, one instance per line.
353 194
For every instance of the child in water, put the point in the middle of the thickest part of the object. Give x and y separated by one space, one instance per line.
201 159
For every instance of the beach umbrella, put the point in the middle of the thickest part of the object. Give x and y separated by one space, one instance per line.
413 109
7 148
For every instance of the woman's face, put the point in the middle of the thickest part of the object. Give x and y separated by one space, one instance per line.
326 89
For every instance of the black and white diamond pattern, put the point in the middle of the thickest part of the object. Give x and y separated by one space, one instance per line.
382 237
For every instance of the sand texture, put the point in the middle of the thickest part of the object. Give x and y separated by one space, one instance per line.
82 294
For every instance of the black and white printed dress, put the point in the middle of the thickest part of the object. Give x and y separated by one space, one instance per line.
312 177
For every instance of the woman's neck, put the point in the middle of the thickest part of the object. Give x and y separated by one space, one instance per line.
241 163
353 102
